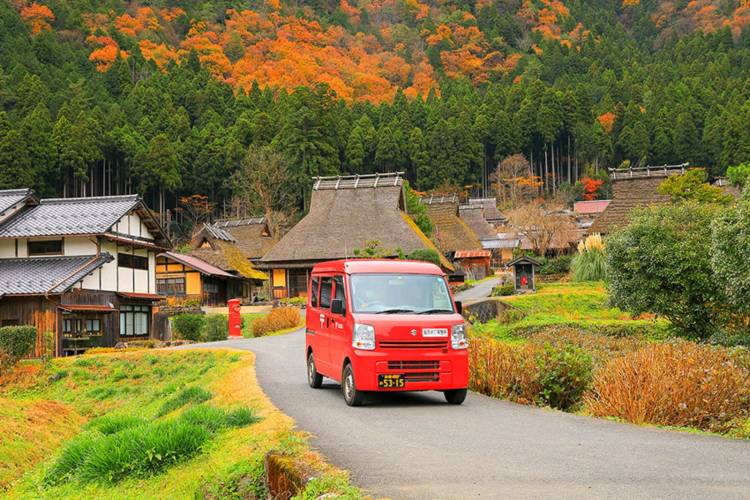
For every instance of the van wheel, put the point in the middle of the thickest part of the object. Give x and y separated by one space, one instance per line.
352 396
455 396
314 379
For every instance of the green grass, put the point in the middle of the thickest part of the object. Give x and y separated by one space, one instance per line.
170 424
247 323
580 305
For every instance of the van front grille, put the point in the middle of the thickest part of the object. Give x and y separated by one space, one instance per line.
414 365
413 344
422 377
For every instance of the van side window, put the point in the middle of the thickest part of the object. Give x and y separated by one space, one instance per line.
314 292
339 292
325 293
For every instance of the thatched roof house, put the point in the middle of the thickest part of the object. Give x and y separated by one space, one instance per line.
633 188
251 235
450 233
233 246
346 212
490 212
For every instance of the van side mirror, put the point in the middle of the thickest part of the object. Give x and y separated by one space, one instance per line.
459 307
337 307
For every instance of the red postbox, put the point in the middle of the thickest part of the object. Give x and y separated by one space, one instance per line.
235 319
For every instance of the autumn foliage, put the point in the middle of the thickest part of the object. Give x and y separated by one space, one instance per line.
38 17
591 188
280 318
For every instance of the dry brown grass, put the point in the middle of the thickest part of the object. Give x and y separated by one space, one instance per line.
503 370
280 318
675 384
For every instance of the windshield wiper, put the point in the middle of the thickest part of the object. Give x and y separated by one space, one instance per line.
395 311
435 311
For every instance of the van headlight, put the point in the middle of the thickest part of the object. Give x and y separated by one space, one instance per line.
363 337
458 337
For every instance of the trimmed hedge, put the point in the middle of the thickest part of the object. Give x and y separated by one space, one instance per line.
18 341
216 327
189 326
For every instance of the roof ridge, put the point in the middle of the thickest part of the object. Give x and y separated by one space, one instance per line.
53 257
12 192
91 199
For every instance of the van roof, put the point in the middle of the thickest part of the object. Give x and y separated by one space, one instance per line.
360 266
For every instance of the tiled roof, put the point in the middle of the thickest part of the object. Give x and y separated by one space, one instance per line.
197 264
39 275
66 216
10 197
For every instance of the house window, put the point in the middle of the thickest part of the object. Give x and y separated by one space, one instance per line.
45 247
132 261
134 320
173 287
93 326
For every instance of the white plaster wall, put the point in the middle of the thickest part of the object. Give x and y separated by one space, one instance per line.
109 270
76 245
23 251
152 272
7 249
125 276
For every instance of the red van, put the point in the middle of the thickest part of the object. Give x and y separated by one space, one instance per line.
385 325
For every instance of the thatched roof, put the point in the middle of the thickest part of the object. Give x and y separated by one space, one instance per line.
451 233
345 213
252 236
491 213
229 257
473 215
632 189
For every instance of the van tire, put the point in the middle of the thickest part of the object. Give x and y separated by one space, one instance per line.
455 396
352 396
314 379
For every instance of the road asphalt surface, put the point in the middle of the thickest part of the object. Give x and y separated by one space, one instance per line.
478 292
414 445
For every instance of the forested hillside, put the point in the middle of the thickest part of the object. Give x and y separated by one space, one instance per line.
165 97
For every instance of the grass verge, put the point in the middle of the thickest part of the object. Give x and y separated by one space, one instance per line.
145 424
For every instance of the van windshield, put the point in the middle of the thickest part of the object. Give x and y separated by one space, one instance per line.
400 293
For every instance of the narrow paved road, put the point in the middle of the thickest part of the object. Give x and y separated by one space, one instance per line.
417 446
482 290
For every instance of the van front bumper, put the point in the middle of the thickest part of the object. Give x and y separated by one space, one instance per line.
422 371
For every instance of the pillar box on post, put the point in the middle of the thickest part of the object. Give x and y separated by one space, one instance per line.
235 318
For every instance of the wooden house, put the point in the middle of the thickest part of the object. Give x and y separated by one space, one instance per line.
80 269
346 212
633 188
188 278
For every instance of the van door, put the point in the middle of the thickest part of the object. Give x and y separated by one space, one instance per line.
324 323
312 319
339 334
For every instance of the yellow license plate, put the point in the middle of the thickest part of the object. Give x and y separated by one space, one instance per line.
391 381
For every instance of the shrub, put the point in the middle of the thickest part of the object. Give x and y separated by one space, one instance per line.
564 375
17 341
557 265
186 396
661 264
682 384
294 301
188 326
279 318
503 290
216 327
589 264
730 244
425 254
